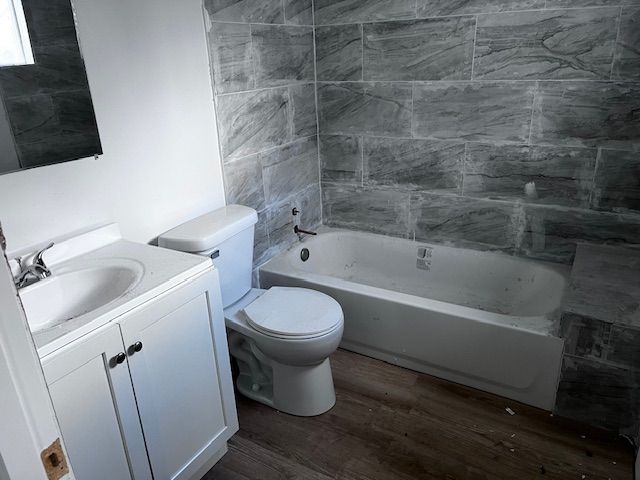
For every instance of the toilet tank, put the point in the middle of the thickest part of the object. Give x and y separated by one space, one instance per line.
225 235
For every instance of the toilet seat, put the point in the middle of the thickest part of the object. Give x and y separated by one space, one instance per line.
293 313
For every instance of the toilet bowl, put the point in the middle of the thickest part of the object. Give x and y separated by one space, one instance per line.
281 338
286 367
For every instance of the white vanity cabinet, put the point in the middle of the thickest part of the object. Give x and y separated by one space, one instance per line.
94 401
168 408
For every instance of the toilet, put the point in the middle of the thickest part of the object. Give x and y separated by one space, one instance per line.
281 338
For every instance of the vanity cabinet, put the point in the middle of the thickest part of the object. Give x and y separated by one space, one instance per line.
94 401
167 408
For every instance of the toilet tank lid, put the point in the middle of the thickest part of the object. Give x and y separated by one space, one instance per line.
209 230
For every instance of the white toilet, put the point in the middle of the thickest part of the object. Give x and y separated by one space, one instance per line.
281 337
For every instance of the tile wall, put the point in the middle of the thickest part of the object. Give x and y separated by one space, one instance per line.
435 114
262 57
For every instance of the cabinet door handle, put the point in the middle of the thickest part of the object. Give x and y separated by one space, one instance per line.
136 347
121 357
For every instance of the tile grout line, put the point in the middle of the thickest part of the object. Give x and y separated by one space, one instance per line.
413 109
531 10
473 55
481 81
270 149
262 89
430 82
503 12
361 139
464 167
592 190
533 110
362 51
615 44
315 93
497 143
253 59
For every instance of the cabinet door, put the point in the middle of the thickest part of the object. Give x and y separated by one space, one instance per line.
94 402
179 383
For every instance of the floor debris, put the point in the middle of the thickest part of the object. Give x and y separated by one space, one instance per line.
509 411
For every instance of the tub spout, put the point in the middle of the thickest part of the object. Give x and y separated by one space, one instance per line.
300 231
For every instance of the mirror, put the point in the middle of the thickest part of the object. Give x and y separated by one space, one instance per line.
46 112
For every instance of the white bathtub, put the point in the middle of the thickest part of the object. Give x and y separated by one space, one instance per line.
481 319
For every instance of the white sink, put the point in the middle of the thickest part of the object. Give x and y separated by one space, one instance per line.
73 291
96 278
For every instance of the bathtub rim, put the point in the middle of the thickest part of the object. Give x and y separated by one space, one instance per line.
550 320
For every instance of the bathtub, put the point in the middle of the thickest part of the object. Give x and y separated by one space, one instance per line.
481 319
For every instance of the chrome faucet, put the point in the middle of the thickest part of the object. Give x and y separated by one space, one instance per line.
34 272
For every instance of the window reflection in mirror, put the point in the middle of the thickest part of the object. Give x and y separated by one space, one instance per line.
15 45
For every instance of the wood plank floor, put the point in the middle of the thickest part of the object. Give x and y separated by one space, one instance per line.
391 423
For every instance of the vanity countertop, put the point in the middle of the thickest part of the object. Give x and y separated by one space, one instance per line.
605 284
158 271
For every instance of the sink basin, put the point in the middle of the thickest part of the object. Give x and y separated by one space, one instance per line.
73 291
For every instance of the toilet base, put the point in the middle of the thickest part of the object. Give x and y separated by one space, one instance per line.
304 391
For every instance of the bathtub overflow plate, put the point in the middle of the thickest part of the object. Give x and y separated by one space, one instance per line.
304 254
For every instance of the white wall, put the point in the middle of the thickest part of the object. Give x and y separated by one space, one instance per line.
148 70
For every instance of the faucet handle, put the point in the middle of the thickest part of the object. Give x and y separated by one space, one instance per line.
38 258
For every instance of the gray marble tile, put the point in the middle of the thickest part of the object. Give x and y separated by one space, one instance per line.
585 337
339 52
587 114
250 11
58 148
281 220
433 49
355 11
599 394
243 182
309 203
463 222
627 57
605 284
438 8
57 68
282 54
298 12
32 118
290 169
414 164
625 346
253 121
562 176
303 110
260 239
588 3
617 181
280 226
551 233
341 158
51 22
382 109
230 49
75 113
551 44
495 112
379 211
